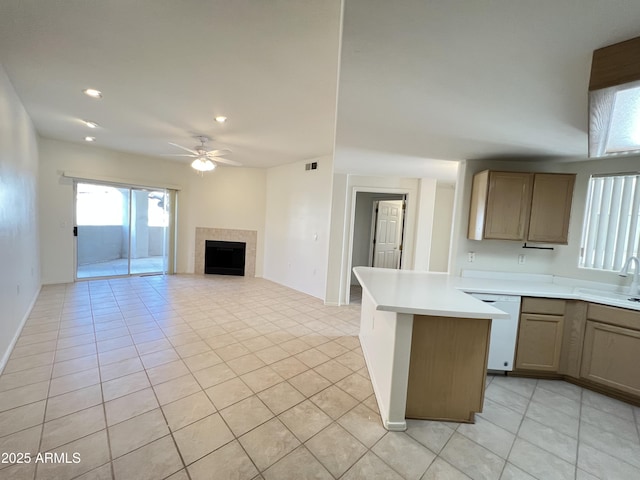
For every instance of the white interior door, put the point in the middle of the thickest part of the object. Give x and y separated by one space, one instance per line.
386 250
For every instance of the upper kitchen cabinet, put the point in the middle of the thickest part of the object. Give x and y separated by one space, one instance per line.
521 206
551 208
500 205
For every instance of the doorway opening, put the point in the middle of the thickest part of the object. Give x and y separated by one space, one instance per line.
378 234
386 241
121 230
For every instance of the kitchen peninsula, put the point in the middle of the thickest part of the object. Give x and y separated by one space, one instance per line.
425 343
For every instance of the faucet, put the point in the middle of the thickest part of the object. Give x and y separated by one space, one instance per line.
633 288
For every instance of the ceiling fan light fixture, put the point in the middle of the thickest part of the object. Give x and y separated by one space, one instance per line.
202 164
93 93
205 159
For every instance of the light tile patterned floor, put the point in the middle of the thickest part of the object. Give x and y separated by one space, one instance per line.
190 377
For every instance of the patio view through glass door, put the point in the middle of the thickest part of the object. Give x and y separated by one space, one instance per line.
120 230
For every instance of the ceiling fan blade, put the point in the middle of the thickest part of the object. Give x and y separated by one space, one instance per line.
227 161
184 148
177 155
218 153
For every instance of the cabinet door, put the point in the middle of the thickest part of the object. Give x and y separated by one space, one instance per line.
611 356
539 342
508 203
551 208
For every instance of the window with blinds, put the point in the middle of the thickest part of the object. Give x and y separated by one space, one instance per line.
611 224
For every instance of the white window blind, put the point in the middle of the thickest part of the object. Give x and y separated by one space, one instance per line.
610 234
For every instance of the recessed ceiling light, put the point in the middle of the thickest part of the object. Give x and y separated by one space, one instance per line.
221 119
89 139
90 124
92 92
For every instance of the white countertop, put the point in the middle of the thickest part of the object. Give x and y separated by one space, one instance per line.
421 293
549 287
425 293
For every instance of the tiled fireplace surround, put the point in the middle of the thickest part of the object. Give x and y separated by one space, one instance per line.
250 237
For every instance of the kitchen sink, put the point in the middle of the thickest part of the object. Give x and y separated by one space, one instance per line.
624 297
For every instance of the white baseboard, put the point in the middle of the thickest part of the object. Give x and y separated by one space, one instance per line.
395 426
400 426
14 340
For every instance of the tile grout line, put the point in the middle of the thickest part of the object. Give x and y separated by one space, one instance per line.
235 438
284 327
506 459
46 404
617 458
255 394
524 415
104 403
171 432
51 378
636 416
184 467
274 415
335 422
578 433
367 449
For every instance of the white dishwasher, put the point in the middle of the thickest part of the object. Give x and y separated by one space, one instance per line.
502 346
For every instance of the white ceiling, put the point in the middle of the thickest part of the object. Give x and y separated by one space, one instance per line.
469 79
419 79
168 67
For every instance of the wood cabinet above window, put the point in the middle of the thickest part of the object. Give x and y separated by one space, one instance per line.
521 206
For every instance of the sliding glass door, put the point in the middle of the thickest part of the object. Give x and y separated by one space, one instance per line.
120 230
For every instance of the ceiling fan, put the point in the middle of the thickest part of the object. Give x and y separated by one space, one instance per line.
205 159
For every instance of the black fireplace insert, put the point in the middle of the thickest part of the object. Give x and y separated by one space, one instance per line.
224 258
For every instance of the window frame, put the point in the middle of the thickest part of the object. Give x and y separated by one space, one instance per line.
606 242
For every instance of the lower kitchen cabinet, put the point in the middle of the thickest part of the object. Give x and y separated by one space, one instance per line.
593 345
611 356
539 342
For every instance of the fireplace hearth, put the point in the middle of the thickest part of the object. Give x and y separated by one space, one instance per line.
224 258
249 237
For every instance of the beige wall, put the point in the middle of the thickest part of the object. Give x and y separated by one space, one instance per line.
225 198
297 225
497 255
19 250
344 190
442 223
229 197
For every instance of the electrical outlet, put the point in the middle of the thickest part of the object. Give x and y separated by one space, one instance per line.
471 257
522 259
